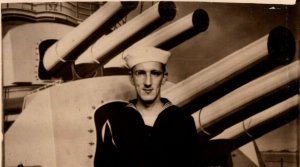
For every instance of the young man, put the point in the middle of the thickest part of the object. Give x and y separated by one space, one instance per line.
149 131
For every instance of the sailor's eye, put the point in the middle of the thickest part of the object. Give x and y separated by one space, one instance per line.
139 73
156 73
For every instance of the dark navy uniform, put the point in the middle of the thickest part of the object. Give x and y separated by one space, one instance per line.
128 142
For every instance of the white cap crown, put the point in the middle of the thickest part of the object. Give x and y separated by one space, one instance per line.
138 55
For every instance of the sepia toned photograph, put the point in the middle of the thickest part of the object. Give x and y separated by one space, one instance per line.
150 84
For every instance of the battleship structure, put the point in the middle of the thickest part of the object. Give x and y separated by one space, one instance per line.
235 68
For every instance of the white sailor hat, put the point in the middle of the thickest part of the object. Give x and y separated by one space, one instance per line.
138 55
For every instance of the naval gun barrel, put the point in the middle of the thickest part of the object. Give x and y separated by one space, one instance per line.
278 45
97 24
170 36
231 103
112 44
243 128
262 129
248 130
213 76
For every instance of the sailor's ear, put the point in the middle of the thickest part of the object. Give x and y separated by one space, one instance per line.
165 78
130 77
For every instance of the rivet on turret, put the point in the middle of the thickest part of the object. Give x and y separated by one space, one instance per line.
90 156
90 117
93 107
91 143
91 130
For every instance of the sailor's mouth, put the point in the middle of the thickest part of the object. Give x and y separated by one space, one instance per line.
148 91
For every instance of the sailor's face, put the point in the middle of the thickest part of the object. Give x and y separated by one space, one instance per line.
147 78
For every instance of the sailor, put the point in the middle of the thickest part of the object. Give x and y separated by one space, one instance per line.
150 131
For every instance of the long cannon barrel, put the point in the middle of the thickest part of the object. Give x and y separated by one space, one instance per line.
171 35
258 119
94 26
232 102
260 130
249 130
254 107
232 65
112 44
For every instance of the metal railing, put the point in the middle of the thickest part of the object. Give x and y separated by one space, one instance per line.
76 11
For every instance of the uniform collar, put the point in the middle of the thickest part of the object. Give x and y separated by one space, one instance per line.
166 102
